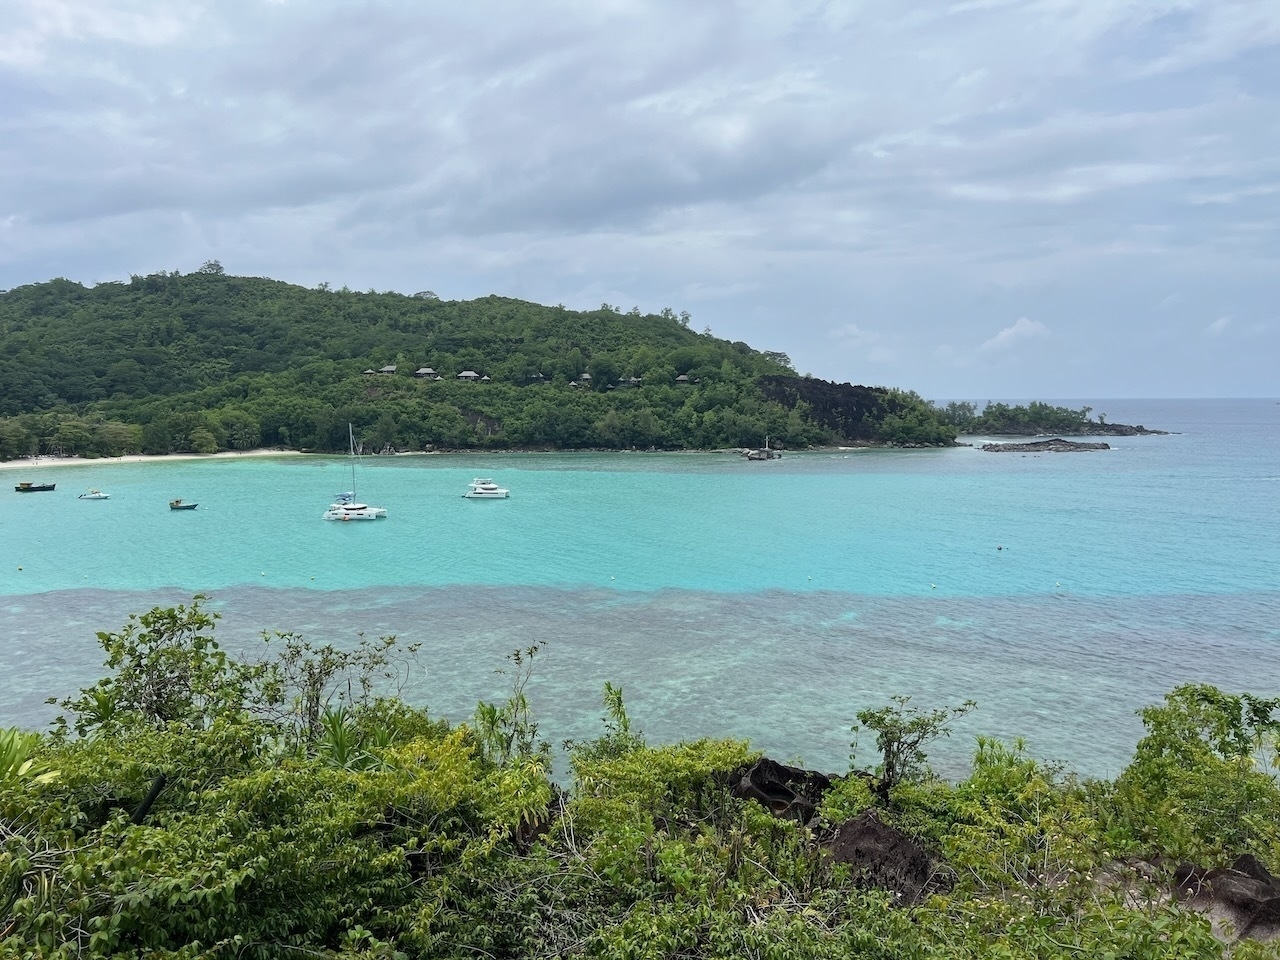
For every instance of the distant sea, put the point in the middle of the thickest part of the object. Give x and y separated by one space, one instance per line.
765 600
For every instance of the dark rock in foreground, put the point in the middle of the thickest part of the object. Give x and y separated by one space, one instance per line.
1056 445
883 856
1242 901
785 791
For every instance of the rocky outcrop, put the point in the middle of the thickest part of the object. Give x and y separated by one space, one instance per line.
1119 430
883 856
1090 429
785 791
1241 901
880 856
1056 445
856 414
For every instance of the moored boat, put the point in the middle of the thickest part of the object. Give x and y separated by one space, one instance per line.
27 487
180 504
94 495
482 488
344 506
763 453
350 510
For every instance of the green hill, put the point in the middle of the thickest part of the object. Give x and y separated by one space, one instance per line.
204 361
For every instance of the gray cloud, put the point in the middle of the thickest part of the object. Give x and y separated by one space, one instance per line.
916 175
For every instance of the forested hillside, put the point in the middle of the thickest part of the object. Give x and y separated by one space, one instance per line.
1033 419
204 361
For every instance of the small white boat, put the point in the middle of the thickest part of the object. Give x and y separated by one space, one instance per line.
94 495
482 488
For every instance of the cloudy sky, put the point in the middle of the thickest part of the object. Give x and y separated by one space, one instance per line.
986 198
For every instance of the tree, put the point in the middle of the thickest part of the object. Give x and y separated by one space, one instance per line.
243 431
902 732
508 732
212 267
1198 786
202 440
780 358
960 414
167 668
604 371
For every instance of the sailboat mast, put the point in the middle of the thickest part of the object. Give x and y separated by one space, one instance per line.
351 439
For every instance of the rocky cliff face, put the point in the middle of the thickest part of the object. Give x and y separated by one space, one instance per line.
854 413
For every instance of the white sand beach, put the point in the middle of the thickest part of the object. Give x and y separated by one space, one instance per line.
35 464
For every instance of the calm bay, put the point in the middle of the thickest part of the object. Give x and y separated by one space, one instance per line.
764 600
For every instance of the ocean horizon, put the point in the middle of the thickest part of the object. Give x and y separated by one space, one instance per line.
769 600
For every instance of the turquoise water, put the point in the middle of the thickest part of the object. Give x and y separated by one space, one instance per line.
769 600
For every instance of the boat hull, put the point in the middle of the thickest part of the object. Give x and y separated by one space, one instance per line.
183 506
34 487
343 512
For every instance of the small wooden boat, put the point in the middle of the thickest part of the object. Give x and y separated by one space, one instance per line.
181 504
33 487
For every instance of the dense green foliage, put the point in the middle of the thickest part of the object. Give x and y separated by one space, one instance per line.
297 813
1034 418
202 362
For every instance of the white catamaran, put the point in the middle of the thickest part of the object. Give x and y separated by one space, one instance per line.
345 506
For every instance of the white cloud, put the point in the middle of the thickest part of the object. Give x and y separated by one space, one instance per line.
1218 327
868 345
852 335
1019 331
777 166
35 28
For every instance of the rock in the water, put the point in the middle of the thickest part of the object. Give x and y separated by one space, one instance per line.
1056 445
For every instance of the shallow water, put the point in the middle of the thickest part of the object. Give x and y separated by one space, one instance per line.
765 600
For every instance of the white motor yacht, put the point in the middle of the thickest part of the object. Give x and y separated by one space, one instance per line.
482 488
94 495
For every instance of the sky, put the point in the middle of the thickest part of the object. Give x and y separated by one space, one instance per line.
979 199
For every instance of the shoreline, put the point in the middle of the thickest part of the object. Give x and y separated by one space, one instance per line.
44 462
